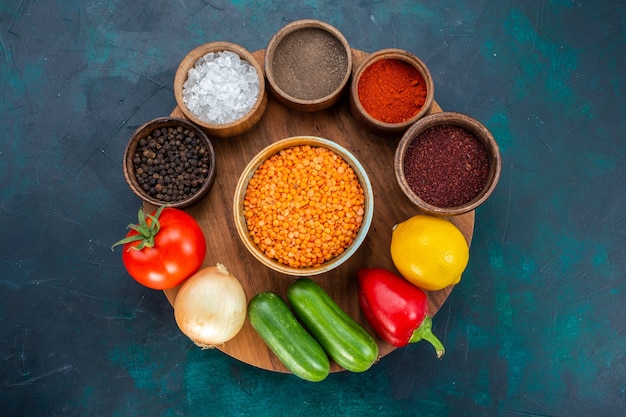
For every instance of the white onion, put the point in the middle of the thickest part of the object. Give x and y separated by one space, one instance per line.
210 307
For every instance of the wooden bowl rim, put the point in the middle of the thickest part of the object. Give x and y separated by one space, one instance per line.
290 28
402 55
143 131
469 123
250 169
190 60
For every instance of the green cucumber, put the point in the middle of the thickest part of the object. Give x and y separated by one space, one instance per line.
284 335
345 341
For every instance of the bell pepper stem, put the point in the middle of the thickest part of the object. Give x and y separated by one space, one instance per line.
424 332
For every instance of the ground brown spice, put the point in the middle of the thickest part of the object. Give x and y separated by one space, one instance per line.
309 64
446 166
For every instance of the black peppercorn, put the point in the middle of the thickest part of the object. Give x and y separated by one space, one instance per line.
171 164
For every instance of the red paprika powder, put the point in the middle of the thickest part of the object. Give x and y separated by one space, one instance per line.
391 90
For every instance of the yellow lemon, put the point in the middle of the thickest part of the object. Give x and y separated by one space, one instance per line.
430 252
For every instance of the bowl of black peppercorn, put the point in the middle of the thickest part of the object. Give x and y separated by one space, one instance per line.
169 161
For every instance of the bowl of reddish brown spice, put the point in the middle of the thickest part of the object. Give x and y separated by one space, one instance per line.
390 90
308 65
220 87
447 164
303 206
169 161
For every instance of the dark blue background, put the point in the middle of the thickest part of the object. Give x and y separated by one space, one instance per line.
536 328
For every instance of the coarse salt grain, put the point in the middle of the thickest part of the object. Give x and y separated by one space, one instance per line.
221 87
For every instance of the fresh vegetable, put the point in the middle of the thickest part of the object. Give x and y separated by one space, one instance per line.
271 318
210 307
345 341
396 309
429 251
164 248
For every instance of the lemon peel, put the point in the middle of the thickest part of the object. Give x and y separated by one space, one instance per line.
430 252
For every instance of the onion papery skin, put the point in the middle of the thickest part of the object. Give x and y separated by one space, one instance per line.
210 307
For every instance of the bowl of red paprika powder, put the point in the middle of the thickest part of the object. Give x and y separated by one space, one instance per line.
390 90
447 164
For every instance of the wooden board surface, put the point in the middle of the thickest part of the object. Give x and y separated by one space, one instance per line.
215 215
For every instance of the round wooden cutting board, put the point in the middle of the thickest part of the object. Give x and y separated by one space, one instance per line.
215 215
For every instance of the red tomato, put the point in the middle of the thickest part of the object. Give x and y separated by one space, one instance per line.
177 253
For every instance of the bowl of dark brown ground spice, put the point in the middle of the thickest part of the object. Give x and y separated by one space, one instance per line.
390 90
308 65
447 164
169 161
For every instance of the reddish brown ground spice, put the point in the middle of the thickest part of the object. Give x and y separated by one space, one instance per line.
446 166
391 90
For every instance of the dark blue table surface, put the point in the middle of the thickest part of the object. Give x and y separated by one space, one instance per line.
536 328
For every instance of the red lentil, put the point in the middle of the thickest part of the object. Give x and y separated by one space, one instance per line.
304 206
446 166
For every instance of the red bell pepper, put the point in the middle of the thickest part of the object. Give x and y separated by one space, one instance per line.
396 309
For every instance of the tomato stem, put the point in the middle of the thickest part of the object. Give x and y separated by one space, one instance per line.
146 231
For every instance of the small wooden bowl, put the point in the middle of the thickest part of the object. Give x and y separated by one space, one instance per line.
239 126
242 185
317 47
471 125
378 126
143 132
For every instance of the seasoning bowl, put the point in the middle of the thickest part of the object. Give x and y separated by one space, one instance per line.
447 164
240 206
214 128
390 90
146 143
308 65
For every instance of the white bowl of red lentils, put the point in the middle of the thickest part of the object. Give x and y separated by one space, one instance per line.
303 205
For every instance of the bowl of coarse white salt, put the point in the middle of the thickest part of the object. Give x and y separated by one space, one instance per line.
220 86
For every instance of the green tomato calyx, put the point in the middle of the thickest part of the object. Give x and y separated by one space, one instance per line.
145 232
